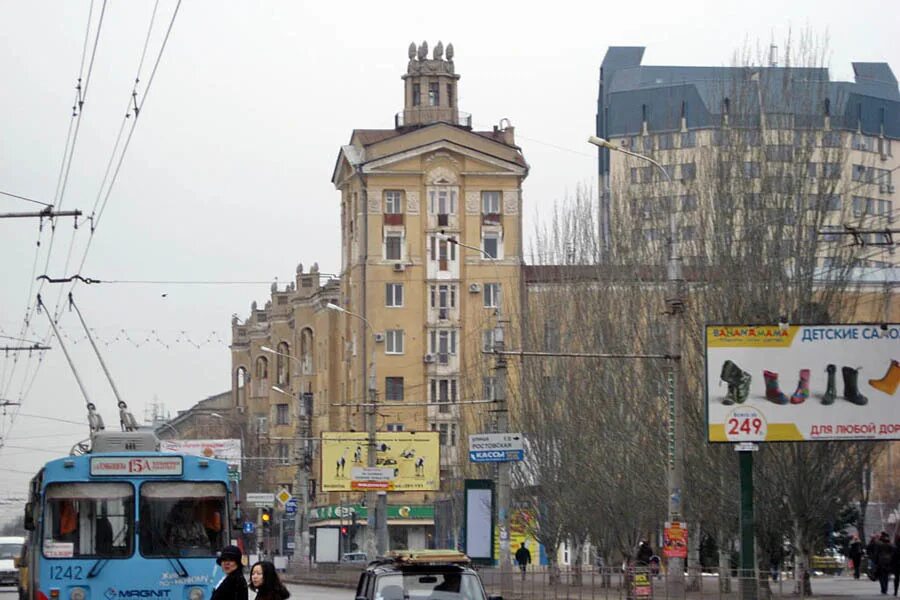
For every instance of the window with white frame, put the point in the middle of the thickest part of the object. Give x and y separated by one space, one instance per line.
442 201
393 294
281 414
393 245
491 244
491 295
262 424
443 392
442 250
393 202
443 298
284 453
442 343
487 338
447 433
394 427
393 341
489 388
490 202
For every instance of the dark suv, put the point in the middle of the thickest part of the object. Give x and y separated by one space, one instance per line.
421 575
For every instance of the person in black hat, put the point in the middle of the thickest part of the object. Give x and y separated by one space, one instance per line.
232 586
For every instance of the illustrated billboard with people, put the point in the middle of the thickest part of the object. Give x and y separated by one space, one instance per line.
404 461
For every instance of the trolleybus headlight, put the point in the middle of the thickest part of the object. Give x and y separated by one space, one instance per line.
77 594
195 593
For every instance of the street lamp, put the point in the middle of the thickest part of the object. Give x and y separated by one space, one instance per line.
503 470
376 505
301 530
675 302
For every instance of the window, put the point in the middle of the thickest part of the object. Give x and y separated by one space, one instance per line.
443 298
442 343
831 170
491 295
831 139
394 427
393 388
688 139
778 153
648 143
393 202
751 169
666 141
442 201
262 368
434 94
443 392
635 175
491 242
183 519
417 94
487 340
281 414
393 341
688 171
282 364
443 251
393 244
688 203
489 388
490 203
688 233
393 294
812 170
89 519
284 453
447 434
647 174
262 424
450 95
750 137
551 337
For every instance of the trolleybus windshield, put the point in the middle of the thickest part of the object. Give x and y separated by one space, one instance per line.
182 519
88 520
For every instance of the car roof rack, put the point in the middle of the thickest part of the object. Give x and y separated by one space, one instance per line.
427 557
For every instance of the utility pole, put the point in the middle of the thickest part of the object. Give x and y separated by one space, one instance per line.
47 212
301 529
503 490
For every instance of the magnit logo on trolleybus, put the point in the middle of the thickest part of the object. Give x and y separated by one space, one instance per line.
768 383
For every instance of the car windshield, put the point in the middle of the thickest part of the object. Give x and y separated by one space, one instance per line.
88 520
182 519
10 550
434 586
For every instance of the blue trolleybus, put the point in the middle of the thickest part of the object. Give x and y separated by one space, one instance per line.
126 521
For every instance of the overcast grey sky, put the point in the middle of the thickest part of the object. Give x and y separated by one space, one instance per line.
227 176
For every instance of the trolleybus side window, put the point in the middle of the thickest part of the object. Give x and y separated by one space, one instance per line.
182 518
88 519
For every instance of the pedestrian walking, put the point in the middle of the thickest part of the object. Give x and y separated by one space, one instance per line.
523 557
895 562
644 553
265 582
856 555
883 558
232 586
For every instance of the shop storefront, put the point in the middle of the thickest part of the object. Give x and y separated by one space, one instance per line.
410 526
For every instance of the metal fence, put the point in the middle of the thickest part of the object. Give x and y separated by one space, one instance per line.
588 583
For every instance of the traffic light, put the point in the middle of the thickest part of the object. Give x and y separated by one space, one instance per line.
344 531
266 518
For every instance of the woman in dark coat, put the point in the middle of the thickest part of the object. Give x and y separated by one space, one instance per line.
233 586
265 582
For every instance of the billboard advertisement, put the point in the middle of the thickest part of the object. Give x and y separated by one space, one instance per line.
227 450
405 462
770 383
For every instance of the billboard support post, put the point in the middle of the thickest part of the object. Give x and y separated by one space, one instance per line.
748 526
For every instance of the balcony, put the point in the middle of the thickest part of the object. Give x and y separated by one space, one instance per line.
421 115
393 219
491 219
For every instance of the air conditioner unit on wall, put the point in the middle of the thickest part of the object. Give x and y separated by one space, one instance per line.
399 267
379 337
474 288
429 358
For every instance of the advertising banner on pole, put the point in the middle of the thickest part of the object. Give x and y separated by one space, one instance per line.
675 540
771 383
227 450
413 458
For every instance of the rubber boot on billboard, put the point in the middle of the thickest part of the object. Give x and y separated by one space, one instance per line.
831 389
851 386
888 384
738 382
773 390
802 392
